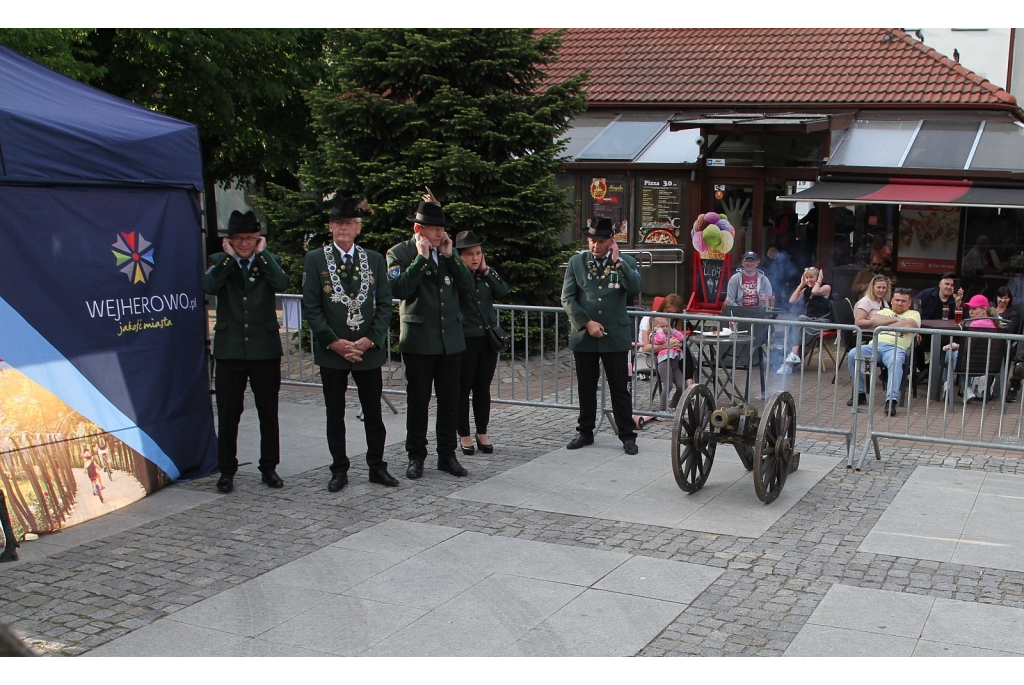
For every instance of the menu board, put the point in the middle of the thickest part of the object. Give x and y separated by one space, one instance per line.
608 199
660 201
928 239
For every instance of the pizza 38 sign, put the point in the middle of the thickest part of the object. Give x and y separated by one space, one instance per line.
134 256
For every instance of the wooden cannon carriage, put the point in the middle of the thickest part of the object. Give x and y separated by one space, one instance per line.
765 442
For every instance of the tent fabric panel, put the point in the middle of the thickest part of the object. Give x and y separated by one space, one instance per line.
53 128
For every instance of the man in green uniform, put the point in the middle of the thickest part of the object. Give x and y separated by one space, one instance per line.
594 294
347 301
246 343
427 275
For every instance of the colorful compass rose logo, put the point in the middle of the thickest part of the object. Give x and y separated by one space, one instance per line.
134 256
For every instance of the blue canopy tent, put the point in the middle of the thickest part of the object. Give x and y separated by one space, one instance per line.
101 242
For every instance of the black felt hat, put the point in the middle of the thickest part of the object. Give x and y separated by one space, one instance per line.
430 214
347 208
243 223
467 239
600 229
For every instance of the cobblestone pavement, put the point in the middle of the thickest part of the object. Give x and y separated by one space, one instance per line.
79 597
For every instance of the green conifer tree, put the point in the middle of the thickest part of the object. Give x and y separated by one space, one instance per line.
466 112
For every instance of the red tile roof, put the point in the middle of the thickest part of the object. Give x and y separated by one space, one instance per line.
738 67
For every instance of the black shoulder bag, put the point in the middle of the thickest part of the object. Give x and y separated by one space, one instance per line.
496 336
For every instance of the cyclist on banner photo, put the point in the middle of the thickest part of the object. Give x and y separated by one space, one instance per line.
103 457
93 473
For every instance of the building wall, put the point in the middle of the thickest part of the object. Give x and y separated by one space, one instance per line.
983 51
1017 85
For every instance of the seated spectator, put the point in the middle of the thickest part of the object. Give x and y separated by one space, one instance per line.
892 349
874 301
978 310
935 301
865 277
812 296
671 304
978 260
1005 311
748 284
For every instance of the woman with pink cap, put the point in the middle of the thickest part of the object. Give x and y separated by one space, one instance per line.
979 318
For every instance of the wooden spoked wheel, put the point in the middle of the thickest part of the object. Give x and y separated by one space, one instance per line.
773 448
693 446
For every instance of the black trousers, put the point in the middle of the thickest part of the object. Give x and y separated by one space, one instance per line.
477 372
423 371
264 375
616 370
369 386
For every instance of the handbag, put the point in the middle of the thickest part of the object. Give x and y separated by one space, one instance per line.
497 338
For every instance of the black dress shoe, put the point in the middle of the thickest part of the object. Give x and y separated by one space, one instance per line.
890 407
273 480
581 440
338 481
225 483
468 451
1011 395
486 449
861 399
382 477
629 447
415 469
452 466
9 554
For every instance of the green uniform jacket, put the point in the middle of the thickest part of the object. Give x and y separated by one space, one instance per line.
327 319
247 326
586 296
431 320
481 299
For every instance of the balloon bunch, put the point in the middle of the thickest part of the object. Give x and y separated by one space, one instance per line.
713 235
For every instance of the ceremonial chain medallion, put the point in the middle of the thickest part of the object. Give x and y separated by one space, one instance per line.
355 316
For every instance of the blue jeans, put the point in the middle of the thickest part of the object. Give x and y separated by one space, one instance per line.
890 355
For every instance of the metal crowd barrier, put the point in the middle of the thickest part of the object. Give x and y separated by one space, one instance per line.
538 370
946 413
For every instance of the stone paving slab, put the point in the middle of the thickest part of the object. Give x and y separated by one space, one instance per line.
853 621
433 591
600 481
954 516
133 579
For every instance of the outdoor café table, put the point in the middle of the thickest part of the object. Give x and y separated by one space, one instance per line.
710 348
936 364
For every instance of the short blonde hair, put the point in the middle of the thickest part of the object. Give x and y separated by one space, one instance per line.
811 271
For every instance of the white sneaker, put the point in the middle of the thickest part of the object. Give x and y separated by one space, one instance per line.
969 394
792 359
785 369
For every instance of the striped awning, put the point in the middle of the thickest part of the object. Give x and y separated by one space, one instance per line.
910 192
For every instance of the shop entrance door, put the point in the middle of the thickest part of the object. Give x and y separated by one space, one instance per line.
740 199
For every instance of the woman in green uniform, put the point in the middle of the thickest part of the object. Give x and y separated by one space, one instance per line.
478 359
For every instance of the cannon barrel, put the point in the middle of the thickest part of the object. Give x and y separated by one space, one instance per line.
726 417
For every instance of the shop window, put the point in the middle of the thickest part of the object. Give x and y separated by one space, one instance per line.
737 151
661 210
626 137
1001 147
792 151
584 129
993 243
608 196
863 230
567 183
672 147
942 145
874 143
